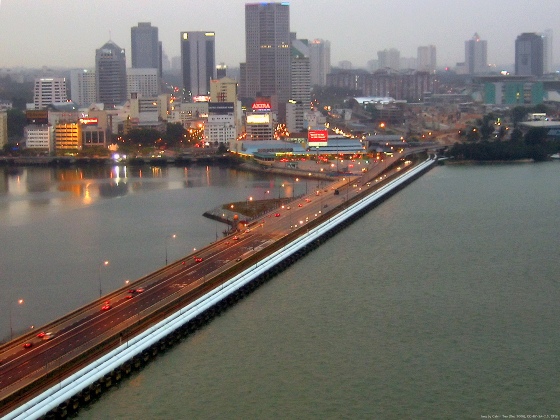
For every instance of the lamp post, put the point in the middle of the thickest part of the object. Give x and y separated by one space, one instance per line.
173 236
103 264
19 302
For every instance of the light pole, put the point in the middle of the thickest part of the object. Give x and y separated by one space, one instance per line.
173 236
19 302
103 264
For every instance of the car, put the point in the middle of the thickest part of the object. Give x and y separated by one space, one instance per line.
41 334
140 290
27 345
288 207
238 259
300 205
47 336
277 215
235 238
131 290
307 200
198 259
128 296
106 306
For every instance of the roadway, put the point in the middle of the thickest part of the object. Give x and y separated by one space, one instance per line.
89 328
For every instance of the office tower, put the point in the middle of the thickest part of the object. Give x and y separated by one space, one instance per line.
319 61
548 64
529 56
144 82
426 58
49 90
389 59
110 75
82 87
145 47
221 71
476 60
267 42
198 62
3 128
300 95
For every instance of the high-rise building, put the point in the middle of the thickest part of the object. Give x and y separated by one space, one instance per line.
548 65
221 71
145 47
143 81
476 58
389 59
426 59
300 96
198 62
319 61
82 87
529 57
110 75
49 90
268 55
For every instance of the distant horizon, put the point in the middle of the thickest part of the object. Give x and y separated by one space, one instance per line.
38 33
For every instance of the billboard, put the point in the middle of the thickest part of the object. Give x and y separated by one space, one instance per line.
317 138
88 121
258 118
37 116
220 108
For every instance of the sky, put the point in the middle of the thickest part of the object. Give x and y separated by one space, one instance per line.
66 33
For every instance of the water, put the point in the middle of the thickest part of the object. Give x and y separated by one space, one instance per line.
441 303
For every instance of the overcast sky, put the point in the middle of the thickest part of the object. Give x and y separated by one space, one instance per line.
66 33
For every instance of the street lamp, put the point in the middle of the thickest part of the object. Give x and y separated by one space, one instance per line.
103 264
166 240
19 302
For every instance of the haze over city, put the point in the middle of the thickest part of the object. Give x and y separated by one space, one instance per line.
66 33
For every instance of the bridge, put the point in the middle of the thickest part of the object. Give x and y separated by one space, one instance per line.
86 351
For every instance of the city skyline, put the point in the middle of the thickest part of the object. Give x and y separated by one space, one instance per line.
374 26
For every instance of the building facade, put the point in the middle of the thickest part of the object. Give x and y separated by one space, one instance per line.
426 58
3 128
319 61
268 55
82 87
529 55
110 75
38 136
49 90
476 55
145 48
143 81
68 136
198 60
389 59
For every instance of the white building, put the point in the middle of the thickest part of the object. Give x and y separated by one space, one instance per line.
82 87
220 129
426 59
295 121
144 81
389 59
38 136
49 90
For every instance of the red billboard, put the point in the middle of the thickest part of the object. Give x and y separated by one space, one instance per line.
261 106
316 138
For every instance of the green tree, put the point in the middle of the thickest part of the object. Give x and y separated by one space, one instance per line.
518 114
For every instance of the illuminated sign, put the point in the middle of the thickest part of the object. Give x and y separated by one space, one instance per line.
261 106
201 98
88 121
316 138
258 119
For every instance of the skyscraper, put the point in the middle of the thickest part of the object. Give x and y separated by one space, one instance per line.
198 62
82 87
476 59
145 47
389 59
529 57
548 65
319 61
110 74
426 59
267 43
